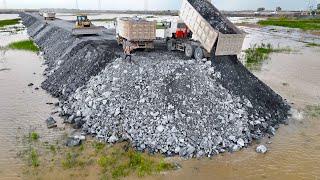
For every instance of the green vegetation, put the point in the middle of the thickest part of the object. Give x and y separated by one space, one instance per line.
313 111
71 161
257 54
98 146
313 45
27 45
121 163
34 136
34 158
147 17
113 162
8 22
53 149
304 24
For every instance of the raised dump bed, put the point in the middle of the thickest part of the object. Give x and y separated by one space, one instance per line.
49 15
139 32
211 28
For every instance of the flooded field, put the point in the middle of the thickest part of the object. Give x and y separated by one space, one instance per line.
22 109
294 152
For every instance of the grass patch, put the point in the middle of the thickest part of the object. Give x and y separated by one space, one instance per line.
98 146
313 111
304 24
34 158
313 45
94 159
257 54
72 160
148 17
8 22
27 45
34 136
122 163
53 149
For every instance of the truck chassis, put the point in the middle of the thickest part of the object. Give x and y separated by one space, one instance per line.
189 47
135 44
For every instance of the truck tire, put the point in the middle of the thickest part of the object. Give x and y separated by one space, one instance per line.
170 46
198 53
189 50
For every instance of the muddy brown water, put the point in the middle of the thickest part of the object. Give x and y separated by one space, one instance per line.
293 154
22 109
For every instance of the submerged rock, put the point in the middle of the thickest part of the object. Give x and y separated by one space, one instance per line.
261 149
73 141
51 123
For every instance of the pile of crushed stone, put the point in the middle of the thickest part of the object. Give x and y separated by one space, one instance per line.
161 102
167 105
212 15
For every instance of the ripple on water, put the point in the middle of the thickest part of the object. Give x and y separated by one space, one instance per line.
22 109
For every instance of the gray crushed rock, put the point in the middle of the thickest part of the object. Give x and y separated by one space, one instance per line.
212 15
166 105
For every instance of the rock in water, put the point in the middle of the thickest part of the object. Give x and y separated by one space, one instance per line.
261 149
73 141
51 123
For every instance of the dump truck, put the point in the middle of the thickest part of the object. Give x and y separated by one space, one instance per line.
49 15
136 32
84 26
195 36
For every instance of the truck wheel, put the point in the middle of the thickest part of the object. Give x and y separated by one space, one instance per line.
198 53
189 50
170 46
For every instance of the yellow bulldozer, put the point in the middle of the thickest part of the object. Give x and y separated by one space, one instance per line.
83 21
85 27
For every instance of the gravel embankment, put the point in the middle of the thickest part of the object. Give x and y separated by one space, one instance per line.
161 102
70 61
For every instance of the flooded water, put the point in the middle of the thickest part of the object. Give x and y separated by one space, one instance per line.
22 109
294 152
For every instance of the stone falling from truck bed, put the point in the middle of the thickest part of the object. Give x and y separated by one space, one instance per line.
212 15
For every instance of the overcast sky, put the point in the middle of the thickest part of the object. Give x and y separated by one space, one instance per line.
156 4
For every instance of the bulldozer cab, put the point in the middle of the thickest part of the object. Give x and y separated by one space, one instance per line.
83 21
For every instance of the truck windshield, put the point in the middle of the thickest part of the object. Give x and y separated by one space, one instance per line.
181 25
82 18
